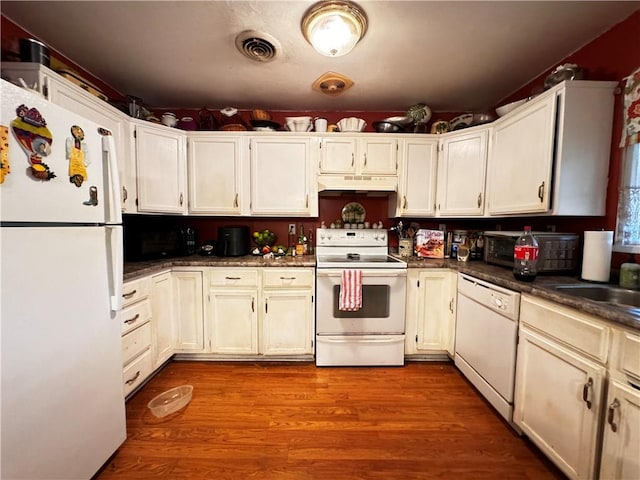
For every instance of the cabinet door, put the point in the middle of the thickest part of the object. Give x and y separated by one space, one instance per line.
233 317
621 442
162 331
64 93
161 162
520 160
281 177
338 155
433 301
378 156
189 321
461 174
417 182
215 175
287 323
558 401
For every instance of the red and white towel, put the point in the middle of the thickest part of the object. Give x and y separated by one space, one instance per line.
350 291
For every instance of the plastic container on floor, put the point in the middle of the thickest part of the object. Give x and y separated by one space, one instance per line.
171 401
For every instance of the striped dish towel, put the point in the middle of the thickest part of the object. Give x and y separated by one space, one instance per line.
350 291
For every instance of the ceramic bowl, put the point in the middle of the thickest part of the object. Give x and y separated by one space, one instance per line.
351 124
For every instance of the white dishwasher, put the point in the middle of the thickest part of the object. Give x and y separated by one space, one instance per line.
486 340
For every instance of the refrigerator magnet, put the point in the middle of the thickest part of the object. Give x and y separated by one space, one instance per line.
5 168
77 155
30 129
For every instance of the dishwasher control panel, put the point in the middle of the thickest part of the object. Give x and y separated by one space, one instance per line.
504 301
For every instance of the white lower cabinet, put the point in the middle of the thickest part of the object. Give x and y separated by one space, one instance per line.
266 311
288 315
621 445
136 333
162 328
620 457
188 310
560 380
430 311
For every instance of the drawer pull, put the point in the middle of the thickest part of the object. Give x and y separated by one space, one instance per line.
287 278
131 320
585 392
233 278
129 294
135 377
611 413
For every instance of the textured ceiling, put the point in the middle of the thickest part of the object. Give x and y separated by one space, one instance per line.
454 56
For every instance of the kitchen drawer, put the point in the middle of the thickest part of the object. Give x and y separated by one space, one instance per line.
136 372
579 331
135 342
239 277
135 290
135 315
291 277
629 363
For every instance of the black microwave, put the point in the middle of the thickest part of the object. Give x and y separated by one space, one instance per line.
152 243
558 251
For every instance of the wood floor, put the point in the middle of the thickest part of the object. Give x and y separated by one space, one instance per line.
291 421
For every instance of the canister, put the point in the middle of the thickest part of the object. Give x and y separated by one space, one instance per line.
630 276
34 51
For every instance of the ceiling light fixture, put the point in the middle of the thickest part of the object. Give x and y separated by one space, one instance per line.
334 27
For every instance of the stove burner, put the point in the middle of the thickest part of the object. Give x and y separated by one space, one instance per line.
353 256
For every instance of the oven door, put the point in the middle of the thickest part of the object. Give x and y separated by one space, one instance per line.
383 303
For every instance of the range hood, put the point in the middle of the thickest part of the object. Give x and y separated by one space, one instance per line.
357 183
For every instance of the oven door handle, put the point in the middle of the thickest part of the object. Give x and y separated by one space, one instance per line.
365 273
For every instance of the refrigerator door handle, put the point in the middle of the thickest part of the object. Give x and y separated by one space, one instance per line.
112 197
116 258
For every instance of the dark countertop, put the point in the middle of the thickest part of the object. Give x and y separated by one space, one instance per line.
500 276
138 269
540 287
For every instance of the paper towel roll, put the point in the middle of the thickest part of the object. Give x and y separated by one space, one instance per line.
596 255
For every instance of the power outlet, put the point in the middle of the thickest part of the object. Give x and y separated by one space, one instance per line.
292 229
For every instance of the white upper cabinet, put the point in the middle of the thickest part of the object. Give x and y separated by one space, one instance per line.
215 168
161 167
62 92
366 154
417 179
461 173
282 176
551 155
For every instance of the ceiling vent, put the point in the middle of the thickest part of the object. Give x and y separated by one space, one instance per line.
332 83
257 46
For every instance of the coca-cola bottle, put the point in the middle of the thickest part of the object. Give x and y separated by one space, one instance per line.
525 256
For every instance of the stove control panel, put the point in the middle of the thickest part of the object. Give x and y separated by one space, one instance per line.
362 237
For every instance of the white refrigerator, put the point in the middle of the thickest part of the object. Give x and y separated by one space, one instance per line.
62 412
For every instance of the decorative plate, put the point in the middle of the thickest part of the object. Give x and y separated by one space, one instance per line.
353 212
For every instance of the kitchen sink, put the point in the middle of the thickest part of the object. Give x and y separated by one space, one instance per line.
602 293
